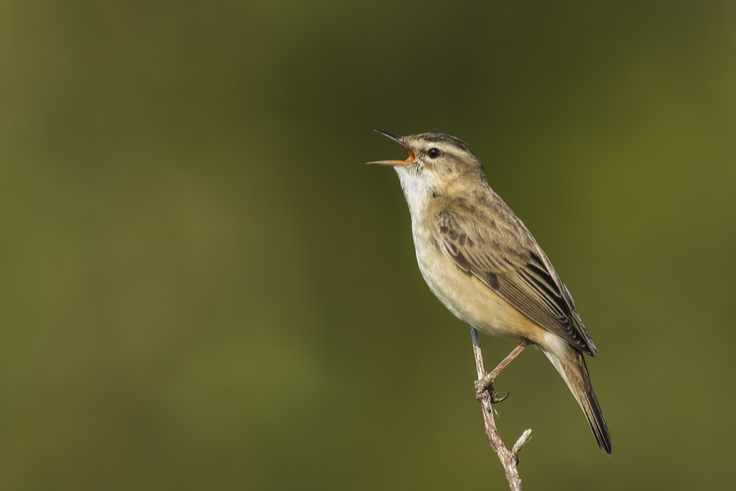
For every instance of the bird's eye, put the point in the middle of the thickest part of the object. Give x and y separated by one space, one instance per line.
433 153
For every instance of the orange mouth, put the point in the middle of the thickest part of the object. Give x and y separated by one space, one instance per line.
412 159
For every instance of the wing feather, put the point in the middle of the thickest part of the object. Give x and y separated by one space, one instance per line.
523 276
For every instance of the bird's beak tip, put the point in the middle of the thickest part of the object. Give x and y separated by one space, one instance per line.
395 163
395 138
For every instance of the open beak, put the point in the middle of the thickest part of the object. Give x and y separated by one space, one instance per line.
395 163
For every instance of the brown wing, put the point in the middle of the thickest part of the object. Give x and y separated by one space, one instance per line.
520 273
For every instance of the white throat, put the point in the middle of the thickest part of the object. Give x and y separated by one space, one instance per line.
416 191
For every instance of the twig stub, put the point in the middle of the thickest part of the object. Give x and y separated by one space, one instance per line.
509 459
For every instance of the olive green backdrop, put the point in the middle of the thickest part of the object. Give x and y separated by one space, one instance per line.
202 286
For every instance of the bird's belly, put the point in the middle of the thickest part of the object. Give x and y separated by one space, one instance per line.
470 300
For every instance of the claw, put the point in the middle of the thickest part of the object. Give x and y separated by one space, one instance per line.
483 385
496 400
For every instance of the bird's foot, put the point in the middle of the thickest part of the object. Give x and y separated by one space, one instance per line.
486 384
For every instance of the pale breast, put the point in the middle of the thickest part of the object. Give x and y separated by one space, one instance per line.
464 295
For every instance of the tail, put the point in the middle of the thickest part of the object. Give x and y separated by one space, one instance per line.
571 366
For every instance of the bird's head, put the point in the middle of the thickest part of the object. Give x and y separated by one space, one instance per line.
438 165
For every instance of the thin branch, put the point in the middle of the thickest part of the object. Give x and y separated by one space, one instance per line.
509 459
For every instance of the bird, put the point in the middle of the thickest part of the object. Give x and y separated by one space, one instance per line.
483 264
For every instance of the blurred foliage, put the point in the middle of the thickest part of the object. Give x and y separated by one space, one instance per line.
203 287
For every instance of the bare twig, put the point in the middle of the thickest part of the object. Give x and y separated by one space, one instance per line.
509 459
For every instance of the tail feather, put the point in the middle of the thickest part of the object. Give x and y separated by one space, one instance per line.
573 369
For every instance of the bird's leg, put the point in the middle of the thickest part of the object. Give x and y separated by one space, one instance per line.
486 383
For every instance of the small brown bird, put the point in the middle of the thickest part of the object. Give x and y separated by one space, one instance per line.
483 264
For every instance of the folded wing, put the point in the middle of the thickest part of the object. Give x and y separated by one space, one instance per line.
523 276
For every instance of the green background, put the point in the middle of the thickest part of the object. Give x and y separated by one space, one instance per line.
204 287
